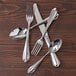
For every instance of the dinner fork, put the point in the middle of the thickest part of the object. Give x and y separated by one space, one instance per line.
29 19
38 45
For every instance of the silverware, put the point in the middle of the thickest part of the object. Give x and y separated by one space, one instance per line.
38 45
54 46
41 27
20 33
29 19
46 37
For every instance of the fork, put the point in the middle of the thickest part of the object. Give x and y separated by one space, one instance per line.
38 45
52 48
29 19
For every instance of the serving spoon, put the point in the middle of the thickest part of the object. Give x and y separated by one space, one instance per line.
54 47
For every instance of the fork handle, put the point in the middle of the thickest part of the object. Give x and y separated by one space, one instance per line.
26 52
55 60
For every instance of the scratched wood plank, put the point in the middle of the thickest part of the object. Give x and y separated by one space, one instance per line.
12 15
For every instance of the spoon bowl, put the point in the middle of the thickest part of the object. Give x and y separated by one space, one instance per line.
57 45
18 33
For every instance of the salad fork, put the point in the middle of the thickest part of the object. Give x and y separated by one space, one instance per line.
29 19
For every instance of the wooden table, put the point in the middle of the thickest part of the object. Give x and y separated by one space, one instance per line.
12 15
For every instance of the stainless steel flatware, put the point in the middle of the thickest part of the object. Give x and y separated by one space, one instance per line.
55 60
54 46
38 18
20 33
29 19
38 45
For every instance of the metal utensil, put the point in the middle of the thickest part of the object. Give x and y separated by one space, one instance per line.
20 33
46 37
55 60
53 44
38 45
29 19
42 27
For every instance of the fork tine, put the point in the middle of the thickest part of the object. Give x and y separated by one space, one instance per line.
34 50
29 7
39 49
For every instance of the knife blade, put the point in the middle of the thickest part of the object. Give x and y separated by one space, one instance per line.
41 27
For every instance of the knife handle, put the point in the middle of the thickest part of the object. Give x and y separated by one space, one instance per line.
55 60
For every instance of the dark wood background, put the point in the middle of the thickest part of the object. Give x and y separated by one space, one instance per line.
12 15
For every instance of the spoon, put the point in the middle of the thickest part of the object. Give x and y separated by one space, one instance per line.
57 43
20 33
52 49
54 58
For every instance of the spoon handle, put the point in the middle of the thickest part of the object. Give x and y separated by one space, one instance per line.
55 60
44 21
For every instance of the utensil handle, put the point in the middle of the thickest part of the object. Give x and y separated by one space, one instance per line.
34 67
40 23
26 52
55 60
52 16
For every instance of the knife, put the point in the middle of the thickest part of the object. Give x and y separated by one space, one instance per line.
46 37
41 27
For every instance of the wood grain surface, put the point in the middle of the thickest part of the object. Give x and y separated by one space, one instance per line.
12 15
